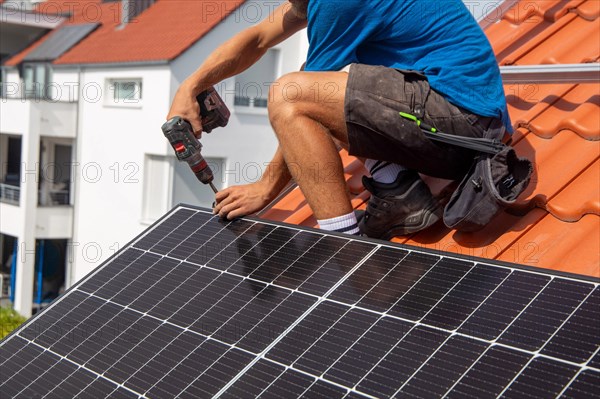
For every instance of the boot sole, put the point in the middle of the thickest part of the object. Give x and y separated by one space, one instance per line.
429 216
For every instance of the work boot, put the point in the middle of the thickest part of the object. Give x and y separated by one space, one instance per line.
399 208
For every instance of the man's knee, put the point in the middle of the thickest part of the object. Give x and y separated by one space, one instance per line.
287 97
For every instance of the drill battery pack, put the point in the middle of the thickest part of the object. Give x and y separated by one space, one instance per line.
213 111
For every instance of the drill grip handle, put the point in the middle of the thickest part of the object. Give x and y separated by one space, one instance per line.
187 147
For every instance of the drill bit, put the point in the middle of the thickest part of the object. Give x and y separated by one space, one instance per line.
213 187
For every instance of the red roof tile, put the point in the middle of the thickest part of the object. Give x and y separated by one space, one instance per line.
558 128
162 32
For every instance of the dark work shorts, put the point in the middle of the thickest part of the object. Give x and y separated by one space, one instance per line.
375 96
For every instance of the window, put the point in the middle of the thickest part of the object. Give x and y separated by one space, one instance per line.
125 91
36 79
252 85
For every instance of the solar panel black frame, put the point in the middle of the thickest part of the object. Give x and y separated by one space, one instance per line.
310 379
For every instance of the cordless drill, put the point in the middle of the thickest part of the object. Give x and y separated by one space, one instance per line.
213 114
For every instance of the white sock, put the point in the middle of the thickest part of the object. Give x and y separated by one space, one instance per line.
342 224
383 172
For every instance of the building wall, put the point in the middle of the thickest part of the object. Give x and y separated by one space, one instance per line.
111 146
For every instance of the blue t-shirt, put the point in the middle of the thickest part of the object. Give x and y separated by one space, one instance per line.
437 37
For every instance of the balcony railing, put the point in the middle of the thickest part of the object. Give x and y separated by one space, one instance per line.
54 197
9 193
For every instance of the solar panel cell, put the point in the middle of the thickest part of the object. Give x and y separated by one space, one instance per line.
344 259
190 300
254 381
45 332
170 223
366 277
218 375
306 265
95 332
285 256
251 260
76 382
164 359
542 378
574 343
125 329
264 332
188 370
397 282
25 368
427 292
10 348
402 361
202 231
366 352
99 388
507 302
440 372
546 313
290 384
303 335
161 299
323 390
230 245
468 294
71 330
159 282
133 281
121 393
182 233
53 376
490 374
148 337
595 362
585 385
114 267
267 298
335 342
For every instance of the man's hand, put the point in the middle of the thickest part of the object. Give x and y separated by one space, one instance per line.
242 200
185 105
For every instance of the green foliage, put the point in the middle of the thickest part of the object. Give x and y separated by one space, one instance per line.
9 320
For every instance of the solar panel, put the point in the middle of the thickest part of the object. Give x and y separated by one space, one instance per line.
197 307
60 41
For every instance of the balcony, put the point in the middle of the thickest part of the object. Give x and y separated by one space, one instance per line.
52 119
54 197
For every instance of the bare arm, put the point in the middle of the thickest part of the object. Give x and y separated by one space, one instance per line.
233 57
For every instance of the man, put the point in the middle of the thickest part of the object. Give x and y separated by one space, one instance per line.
372 59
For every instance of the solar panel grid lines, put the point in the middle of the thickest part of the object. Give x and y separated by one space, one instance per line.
62 358
583 384
369 329
538 323
291 327
535 353
195 307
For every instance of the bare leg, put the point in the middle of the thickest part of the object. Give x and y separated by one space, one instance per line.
306 110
